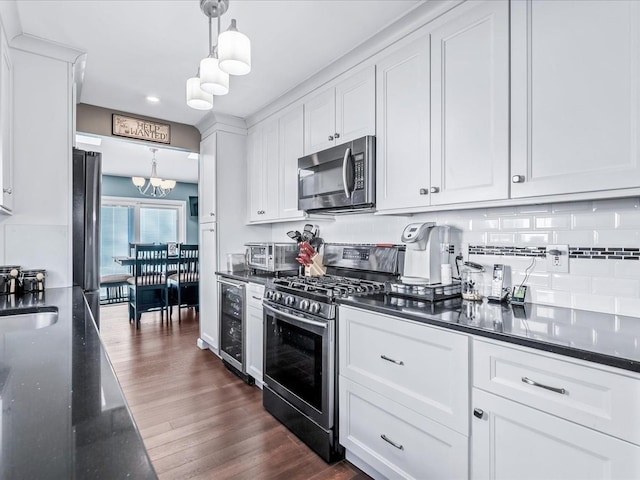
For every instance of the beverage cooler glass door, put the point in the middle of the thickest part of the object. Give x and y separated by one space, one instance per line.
232 323
300 362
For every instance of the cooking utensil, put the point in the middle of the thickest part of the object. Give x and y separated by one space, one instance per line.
309 232
296 235
316 243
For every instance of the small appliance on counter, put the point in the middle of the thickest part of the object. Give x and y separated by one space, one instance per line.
236 262
9 278
272 257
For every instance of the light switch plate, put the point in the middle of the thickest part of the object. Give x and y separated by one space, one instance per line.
558 258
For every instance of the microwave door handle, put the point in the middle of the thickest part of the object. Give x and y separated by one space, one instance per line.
345 161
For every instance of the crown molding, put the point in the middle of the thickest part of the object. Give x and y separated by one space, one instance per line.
46 48
216 122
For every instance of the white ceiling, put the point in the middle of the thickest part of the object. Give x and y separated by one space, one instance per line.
137 48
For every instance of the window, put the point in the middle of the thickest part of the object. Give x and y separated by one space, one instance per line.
131 220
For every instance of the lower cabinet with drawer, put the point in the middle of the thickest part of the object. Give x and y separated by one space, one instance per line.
404 396
540 415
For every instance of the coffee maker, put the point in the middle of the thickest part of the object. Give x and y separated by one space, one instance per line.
427 249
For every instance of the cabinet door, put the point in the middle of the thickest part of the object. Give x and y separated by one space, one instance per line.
255 174
356 106
575 96
291 148
470 104
270 171
208 292
513 441
320 122
6 125
402 105
254 343
207 180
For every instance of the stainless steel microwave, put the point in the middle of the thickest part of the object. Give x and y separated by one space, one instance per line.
340 179
272 257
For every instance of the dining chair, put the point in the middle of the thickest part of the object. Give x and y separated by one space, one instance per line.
148 290
184 285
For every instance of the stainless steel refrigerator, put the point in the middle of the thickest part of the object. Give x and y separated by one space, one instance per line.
87 181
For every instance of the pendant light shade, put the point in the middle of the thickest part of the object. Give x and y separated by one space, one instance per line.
234 51
212 79
196 97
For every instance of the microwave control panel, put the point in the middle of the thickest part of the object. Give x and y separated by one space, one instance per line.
358 161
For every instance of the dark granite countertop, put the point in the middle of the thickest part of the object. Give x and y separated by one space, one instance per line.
254 277
607 339
63 412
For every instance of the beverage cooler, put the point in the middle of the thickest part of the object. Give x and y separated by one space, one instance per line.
232 315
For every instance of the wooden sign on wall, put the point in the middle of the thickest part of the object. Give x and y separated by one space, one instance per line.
141 129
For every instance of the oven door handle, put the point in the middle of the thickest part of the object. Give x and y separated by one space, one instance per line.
345 161
293 317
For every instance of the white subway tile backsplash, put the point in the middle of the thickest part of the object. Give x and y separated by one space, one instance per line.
553 222
533 209
626 269
628 306
615 238
594 220
535 279
629 219
551 297
571 283
518 223
616 287
571 207
474 238
484 224
583 238
615 204
501 238
596 303
534 238
502 211
579 266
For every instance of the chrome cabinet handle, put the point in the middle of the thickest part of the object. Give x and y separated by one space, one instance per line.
517 179
424 191
330 137
528 381
434 189
397 362
345 162
388 440
336 135
8 190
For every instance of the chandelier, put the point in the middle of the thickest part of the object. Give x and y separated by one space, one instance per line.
156 186
231 55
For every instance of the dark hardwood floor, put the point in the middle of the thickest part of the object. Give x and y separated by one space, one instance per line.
197 419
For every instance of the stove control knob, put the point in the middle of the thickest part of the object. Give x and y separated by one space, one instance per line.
315 308
290 301
304 304
277 296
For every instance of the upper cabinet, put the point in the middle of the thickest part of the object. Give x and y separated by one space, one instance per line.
575 109
207 180
341 113
443 111
6 126
274 147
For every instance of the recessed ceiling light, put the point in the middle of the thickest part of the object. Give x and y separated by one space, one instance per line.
152 99
192 156
88 140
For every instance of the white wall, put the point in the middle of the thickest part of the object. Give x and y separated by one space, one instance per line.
37 235
599 284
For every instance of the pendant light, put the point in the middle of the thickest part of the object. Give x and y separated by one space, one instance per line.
213 74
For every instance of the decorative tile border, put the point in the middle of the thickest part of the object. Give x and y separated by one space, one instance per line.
596 253
602 253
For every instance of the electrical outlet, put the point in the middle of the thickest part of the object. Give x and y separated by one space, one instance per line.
558 258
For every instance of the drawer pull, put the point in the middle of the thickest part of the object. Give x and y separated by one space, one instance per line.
256 298
528 381
397 362
478 412
388 440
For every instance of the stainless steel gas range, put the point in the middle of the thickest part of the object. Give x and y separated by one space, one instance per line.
300 377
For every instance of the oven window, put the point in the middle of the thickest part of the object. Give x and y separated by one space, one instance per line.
323 179
294 359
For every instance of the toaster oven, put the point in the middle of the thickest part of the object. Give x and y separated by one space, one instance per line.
272 257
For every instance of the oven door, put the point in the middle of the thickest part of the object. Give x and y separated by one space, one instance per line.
299 362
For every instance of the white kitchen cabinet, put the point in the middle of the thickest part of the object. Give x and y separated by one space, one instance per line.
274 147
6 126
512 441
470 104
255 348
408 383
403 123
209 328
575 110
340 113
207 179
442 111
